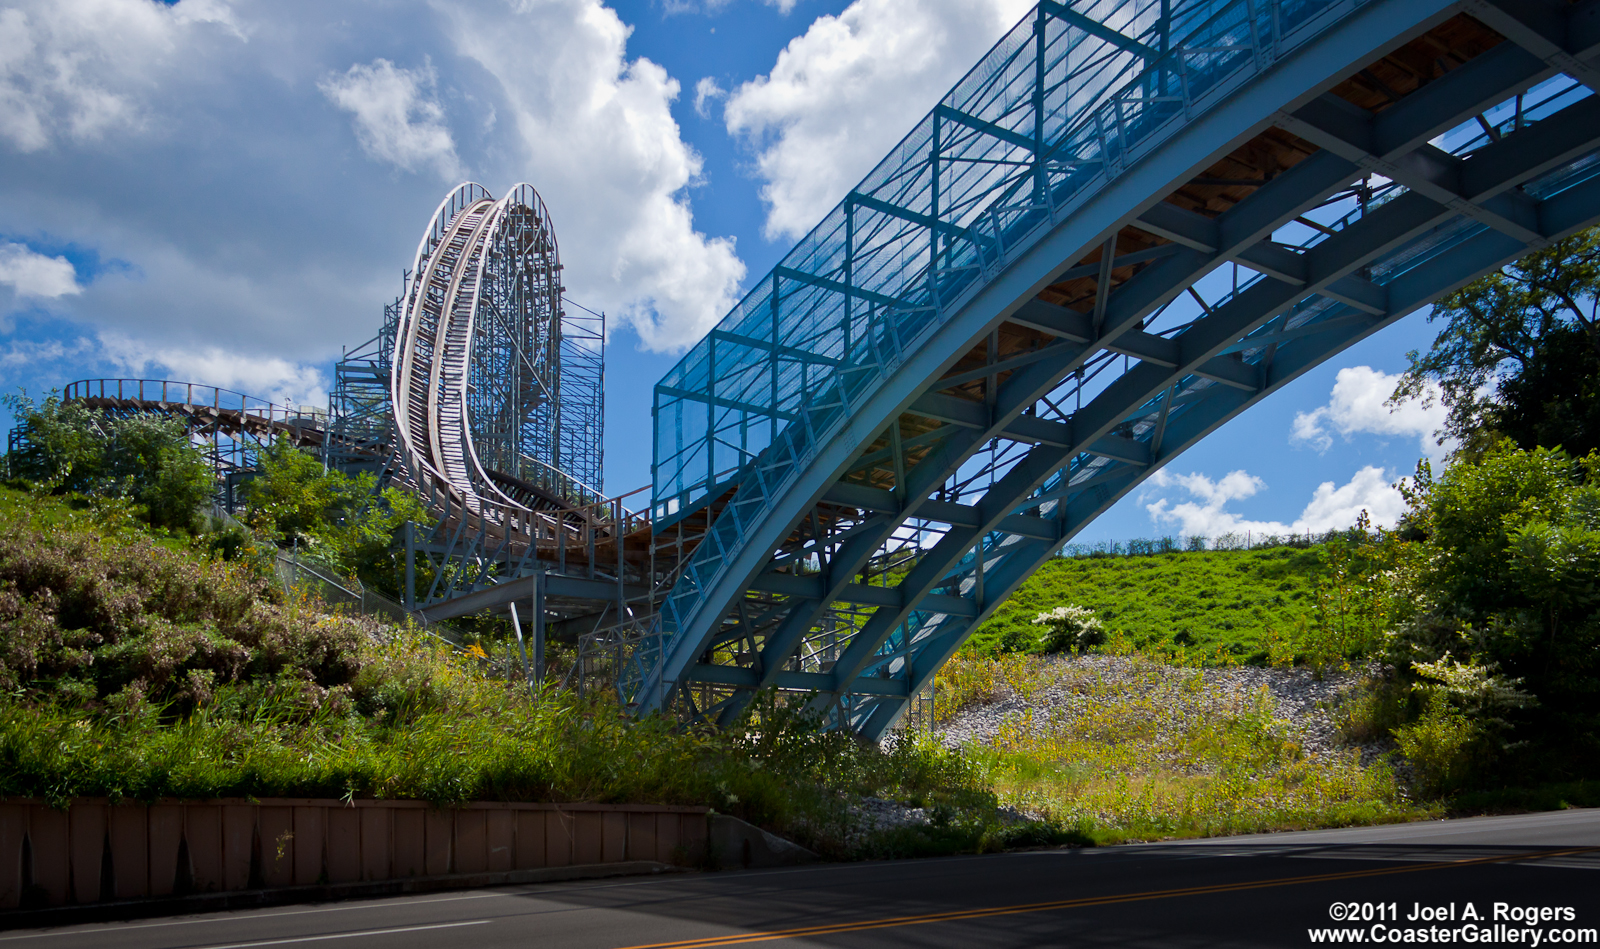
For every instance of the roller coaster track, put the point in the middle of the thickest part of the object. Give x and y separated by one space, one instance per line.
229 412
231 423
486 266
1132 221
432 349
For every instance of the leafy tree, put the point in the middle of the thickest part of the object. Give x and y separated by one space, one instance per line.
339 520
1519 355
293 495
65 448
145 458
152 462
1498 609
1555 399
1351 596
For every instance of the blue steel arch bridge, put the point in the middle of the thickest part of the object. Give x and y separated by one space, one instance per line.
1130 222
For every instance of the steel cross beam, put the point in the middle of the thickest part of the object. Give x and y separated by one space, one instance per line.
1518 158
1018 556
1351 281
1238 231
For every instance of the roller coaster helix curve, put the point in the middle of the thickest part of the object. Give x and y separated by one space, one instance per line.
1130 222
496 401
476 380
476 370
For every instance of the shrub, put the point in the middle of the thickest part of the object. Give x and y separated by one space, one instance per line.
139 666
1069 627
1463 727
1439 745
93 616
1374 709
1505 581
340 521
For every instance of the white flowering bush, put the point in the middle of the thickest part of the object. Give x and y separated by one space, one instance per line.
1069 627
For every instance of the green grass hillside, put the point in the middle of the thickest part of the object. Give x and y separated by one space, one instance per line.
1198 602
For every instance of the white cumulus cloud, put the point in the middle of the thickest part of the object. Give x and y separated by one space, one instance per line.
75 69
841 95
1332 507
706 91
1356 406
274 379
398 118
597 132
32 274
210 149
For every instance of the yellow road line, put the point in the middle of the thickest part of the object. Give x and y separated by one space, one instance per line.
954 915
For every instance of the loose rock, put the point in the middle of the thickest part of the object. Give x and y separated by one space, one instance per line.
1069 687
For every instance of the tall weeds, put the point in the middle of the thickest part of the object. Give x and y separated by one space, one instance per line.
141 667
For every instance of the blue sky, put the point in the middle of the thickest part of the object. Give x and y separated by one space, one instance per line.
226 192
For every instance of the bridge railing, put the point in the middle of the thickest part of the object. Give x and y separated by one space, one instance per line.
1056 111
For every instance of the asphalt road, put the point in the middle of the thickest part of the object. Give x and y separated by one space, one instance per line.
1266 890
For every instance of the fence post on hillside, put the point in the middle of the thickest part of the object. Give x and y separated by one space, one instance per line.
538 626
516 626
411 566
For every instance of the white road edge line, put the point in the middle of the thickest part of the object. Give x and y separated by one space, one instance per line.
223 916
365 932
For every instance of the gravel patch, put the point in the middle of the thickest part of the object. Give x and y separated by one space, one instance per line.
1072 687
875 813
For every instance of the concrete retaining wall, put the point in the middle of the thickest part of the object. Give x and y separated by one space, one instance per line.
95 851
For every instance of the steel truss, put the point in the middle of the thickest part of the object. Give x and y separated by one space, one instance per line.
360 411
1131 222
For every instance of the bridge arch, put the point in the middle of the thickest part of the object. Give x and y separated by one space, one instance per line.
1128 224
